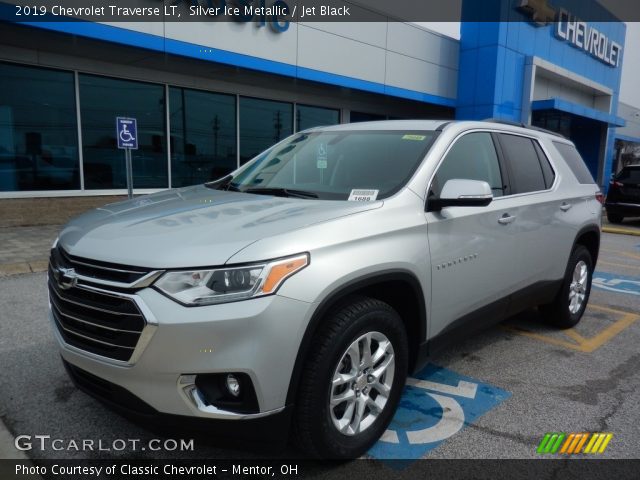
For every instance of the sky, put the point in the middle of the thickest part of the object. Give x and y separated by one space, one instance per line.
629 91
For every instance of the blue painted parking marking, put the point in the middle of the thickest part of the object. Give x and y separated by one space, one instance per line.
613 282
436 404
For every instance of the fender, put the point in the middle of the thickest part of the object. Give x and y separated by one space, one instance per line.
339 294
591 228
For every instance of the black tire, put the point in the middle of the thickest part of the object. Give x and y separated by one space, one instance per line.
614 218
313 429
557 313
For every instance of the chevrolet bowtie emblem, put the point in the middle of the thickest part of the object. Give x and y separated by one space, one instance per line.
540 12
66 278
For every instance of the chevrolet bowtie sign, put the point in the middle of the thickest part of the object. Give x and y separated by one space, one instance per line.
571 29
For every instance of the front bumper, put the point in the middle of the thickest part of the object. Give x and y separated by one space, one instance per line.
259 337
272 428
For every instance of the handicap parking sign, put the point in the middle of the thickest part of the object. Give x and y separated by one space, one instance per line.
436 404
127 133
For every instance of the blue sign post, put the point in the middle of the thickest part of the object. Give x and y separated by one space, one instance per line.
127 135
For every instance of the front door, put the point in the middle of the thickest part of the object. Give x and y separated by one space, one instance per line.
473 249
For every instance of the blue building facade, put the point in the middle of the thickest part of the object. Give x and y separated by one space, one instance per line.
209 96
543 65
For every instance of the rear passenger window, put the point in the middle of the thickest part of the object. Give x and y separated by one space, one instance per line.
525 173
547 169
575 162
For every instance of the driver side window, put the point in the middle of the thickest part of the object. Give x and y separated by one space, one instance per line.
472 157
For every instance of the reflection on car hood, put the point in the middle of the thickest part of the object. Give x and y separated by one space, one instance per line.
192 227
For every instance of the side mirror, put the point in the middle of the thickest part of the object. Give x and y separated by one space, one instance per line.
462 193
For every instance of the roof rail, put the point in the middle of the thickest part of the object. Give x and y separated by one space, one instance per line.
523 125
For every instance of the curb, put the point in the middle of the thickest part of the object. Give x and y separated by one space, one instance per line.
621 231
7 448
34 266
9 452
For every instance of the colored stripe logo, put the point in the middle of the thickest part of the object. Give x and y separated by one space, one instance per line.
573 443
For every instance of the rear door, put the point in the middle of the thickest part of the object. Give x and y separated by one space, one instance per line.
473 249
545 233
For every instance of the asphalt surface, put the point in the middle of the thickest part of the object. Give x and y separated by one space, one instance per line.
586 380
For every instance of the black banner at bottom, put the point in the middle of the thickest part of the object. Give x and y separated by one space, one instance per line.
568 468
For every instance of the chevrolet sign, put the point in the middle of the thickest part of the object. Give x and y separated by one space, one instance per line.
585 37
573 30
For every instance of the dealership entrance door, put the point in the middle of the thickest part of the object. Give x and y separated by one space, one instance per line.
589 136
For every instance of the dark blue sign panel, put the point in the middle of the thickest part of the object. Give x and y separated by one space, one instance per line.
127 133
436 404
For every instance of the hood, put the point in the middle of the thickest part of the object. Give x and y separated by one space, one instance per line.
192 227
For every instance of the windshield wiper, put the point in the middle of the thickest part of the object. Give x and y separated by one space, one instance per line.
282 192
223 184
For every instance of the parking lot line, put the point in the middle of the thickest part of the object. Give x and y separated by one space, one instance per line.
620 252
622 265
580 343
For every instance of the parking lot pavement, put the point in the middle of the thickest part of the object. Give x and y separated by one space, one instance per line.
511 384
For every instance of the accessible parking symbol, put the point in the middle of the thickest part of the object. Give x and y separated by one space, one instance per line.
436 404
616 283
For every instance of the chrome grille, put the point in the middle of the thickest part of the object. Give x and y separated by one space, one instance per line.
103 322
100 271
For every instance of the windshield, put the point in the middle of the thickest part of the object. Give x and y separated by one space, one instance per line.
336 165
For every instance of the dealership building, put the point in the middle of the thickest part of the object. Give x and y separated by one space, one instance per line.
208 96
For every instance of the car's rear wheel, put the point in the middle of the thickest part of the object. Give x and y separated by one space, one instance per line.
352 380
614 218
569 305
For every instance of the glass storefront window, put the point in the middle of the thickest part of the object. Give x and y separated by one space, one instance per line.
38 130
203 136
262 123
309 117
357 117
101 101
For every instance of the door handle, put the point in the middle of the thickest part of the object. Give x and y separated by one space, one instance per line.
506 219
565 206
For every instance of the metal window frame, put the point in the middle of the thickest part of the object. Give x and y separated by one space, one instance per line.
83 191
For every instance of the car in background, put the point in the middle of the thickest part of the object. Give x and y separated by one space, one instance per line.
623 199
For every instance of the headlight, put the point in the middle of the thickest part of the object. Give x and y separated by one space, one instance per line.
207 287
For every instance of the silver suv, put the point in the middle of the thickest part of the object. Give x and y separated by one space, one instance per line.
300 290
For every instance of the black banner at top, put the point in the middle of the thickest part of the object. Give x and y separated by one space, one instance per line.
286 11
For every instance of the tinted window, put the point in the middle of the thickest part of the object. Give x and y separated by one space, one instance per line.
262 123
526 172
472 157
356 117
309 117
101 101
333 163
203 136
38 130
547 169
628 174
575 162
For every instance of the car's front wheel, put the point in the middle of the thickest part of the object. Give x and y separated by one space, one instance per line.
352 380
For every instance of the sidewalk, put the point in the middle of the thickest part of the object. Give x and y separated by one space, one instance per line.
26 249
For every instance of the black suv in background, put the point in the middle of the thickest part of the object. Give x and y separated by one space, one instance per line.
623 199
